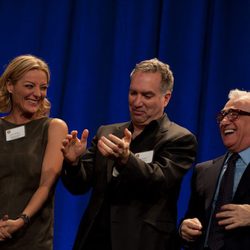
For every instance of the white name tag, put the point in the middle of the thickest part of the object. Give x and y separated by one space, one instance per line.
146 156
15 133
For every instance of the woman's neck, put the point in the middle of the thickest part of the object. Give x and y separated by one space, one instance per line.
19 119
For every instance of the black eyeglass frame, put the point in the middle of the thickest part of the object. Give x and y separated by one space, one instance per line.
231 114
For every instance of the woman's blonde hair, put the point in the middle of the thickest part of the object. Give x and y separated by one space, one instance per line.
14 72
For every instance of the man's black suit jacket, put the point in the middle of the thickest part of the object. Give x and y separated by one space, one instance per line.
143 204
204 183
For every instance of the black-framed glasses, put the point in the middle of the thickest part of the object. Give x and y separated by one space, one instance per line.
231 114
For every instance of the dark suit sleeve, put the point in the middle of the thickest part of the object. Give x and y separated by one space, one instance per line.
78 179
194 210
173 156
196 202
198 198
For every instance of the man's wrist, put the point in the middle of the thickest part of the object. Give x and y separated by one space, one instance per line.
71 168
124 159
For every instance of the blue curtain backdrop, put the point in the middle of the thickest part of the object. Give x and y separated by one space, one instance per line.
92 45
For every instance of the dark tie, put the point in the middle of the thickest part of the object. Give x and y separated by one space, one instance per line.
226 187
225 196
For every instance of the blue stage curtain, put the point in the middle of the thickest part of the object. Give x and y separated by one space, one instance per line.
91 47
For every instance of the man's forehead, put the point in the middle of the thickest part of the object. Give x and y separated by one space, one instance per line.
243 104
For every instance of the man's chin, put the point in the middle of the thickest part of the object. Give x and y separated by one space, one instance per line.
139 122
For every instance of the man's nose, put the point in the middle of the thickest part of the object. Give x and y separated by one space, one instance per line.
138 100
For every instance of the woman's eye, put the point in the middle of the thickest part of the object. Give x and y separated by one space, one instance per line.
44 88
29 86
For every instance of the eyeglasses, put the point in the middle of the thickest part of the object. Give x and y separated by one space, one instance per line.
231 114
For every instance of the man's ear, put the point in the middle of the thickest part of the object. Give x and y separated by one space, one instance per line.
167 98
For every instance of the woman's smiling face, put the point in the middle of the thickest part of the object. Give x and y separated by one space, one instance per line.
28 92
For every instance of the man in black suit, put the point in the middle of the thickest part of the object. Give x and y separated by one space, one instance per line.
134 168
211 224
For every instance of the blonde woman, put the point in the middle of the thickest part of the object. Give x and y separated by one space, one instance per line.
30 153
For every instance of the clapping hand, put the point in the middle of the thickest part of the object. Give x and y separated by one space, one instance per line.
116 147
73 147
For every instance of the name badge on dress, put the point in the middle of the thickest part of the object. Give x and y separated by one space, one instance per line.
15 133
146 156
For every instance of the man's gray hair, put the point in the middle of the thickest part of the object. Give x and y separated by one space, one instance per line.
154 65
236 94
